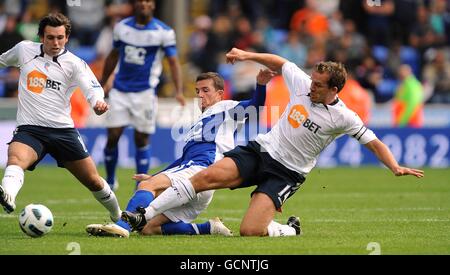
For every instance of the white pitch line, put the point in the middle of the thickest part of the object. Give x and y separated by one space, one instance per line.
402 209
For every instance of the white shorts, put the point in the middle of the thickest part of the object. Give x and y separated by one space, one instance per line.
188 212
132 109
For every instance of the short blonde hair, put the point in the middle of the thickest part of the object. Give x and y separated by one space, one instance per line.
336 71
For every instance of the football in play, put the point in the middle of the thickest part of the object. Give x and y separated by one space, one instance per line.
36 220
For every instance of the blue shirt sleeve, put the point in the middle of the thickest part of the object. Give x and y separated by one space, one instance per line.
170 51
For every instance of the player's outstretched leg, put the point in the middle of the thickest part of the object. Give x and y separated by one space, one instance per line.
11 184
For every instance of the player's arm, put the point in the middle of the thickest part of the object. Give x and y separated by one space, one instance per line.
10 57
383 153
271 61
110 65
175 70
92 90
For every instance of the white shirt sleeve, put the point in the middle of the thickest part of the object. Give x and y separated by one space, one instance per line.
10 57
169 38
88 83
355 128
297 81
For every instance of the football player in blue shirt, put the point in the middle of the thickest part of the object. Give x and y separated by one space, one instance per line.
140 43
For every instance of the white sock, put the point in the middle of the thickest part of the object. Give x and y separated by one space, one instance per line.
280 230
109 200
180 193
13 180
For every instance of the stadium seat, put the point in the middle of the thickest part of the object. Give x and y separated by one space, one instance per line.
380 53
386 90
410 56
276 38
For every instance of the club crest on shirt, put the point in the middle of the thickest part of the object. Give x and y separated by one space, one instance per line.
95 84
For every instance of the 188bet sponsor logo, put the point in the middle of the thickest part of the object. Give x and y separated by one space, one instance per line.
298 116
37 82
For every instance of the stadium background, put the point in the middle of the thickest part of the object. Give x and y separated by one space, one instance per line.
372 43
342 215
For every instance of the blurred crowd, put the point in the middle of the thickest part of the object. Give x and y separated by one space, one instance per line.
373 38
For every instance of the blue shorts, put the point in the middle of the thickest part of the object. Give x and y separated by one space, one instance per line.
62 144
260 169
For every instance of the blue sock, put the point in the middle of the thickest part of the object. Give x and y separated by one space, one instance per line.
181 228
141 198
111 156
142 159
204 228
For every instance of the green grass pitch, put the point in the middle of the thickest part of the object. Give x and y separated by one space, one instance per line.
342 210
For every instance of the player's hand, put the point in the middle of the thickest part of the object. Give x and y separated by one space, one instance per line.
405 171
141 177
180 98
264 76
235 55
100 107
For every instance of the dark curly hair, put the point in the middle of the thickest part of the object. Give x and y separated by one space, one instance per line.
54 20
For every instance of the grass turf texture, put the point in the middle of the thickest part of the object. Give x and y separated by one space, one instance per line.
342 211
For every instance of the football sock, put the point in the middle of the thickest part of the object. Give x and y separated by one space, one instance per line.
108 199
111 156
181 228
141 198
142 159
13 180
204 228
275 229
181 192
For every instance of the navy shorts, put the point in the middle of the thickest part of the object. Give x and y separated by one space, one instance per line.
62 144
260 169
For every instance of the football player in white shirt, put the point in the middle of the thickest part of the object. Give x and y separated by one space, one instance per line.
278 162
48 76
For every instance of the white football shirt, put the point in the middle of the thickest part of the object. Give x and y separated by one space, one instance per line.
306 128
46 84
